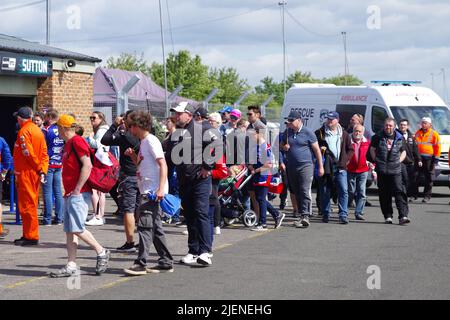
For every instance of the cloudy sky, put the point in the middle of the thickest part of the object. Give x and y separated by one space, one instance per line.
410 41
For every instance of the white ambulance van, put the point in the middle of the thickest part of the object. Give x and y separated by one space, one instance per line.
375 103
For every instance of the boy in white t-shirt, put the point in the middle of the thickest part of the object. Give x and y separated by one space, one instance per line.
152 178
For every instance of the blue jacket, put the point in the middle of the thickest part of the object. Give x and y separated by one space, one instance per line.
5 156
55 146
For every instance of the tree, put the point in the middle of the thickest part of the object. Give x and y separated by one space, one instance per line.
339 80
230 85
129 62
186 70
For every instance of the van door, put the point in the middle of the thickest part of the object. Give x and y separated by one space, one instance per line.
379 114
346 111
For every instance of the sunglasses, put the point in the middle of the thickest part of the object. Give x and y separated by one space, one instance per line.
250 114
93 118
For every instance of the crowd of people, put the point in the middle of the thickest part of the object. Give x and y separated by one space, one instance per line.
198 151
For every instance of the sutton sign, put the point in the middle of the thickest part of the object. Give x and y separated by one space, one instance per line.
34 66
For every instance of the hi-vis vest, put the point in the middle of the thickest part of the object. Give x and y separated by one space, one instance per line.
429 143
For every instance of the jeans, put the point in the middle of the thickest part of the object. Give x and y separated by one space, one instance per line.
264 205
357 188
195 203
340 180
53 188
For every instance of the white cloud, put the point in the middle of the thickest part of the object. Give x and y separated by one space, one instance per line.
411 44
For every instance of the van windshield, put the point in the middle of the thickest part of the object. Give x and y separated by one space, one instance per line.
440 117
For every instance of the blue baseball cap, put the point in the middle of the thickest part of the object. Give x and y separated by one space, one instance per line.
332 115
226 109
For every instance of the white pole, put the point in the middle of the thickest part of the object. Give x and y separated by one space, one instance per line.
47 41
283 3
444 86
164 59
344 35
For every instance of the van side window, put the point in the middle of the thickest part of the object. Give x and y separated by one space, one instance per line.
378 116
346 111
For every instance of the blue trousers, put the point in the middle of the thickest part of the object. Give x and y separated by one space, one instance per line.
195 203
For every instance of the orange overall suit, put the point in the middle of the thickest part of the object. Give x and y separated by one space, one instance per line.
30 160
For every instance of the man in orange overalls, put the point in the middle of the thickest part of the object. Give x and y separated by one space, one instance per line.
30 167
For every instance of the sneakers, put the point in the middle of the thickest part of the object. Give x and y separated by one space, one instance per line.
260 227
64 272
404 220
136 270
102 262
388 220
189 259
127 247
204 259
279 220
343 220
216 230
359 217
4 233
303 222
95 222
160 269
425 200
185 232
368 204
325 219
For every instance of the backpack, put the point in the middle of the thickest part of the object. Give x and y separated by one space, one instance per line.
103 177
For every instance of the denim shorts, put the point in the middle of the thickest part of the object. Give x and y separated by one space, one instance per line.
128 192
75 212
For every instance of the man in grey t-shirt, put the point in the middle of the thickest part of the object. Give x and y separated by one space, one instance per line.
301 148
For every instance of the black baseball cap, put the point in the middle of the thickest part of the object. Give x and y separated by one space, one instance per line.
24 113
201 112
293 115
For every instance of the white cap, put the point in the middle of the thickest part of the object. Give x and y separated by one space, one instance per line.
183 106
426 119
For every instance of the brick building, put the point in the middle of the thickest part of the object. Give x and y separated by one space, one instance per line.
41 77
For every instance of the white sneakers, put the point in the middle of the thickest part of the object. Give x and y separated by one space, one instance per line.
189 259
204 259
216 230
95 222
388 220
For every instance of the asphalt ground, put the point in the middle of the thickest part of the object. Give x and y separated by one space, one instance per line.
325 261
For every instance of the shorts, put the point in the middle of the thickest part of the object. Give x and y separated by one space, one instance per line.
75 212
128 194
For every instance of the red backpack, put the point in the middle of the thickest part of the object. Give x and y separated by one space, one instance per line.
102 178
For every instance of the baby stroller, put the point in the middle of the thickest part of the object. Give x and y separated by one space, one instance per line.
230 195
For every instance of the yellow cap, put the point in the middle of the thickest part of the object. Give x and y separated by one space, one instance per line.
66 121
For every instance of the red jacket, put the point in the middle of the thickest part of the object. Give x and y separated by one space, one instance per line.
220 170
358 162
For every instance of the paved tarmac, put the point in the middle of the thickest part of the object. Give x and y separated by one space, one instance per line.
325 261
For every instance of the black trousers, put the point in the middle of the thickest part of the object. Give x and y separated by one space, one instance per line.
392 186
409 177
427 170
